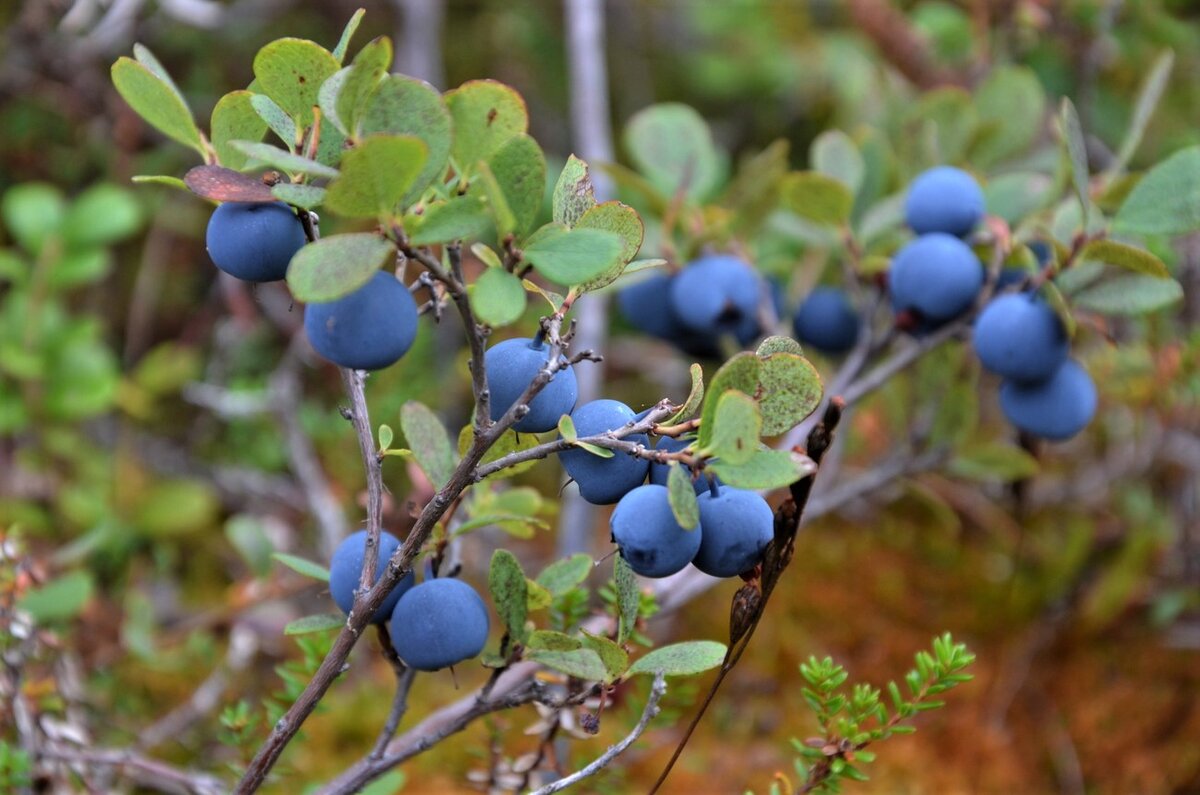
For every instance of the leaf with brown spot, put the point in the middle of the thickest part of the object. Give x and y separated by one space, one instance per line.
221 184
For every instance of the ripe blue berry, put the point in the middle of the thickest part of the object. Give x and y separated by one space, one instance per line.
439 623
1055 409
944 199
718 295
826 321
603 481
511 367
1018 336
254 241
738 524
369 329
346 567
644 305
647 535
936 277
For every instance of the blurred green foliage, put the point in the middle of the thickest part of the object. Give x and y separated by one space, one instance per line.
109 310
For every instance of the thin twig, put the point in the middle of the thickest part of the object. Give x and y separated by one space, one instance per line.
147 772
657 690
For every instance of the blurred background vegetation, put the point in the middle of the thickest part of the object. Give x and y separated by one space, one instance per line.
160 434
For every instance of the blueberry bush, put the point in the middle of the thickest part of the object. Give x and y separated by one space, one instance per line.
951 291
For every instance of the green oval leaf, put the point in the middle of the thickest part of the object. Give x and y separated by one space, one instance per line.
563 575
406 106
1167 200
291 71
370 65
736 429
1110 252
60 599
993 462
1072 134
834 154
537 597
506 581
376 175
302 566
789 390
336 266
581 663
615 659
575 256
681 659
741 373
429 442
682 496
235 119
157 102
672 145
566 429
1011 105
573 194
766 469
629 598
460 218
274 157
317 623
486 115
520 169
339 52
309 197
548 640
695 396
497 298
623 221
1149 94
778 344
275 118
1130 295
816 197
102 215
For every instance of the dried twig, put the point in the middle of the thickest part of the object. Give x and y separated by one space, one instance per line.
657 690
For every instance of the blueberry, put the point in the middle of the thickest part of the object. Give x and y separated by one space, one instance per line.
718 295
346 567
826 321
660 472
439 623
1018 336
935 276
944 199
369 329
647 307
649 538
738 524
254 241
644 305
1055 409
603 481
511 367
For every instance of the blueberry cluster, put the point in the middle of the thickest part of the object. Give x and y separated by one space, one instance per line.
936 276
1045 393
436 624
714 296
369 329
735 527
1018 336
